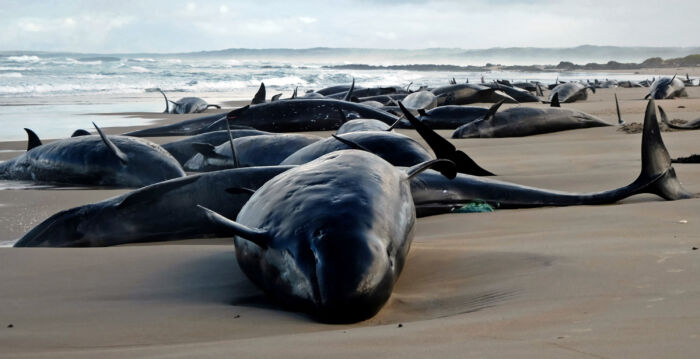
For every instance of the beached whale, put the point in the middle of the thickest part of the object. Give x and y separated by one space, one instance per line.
195 126
464 94
250 151
363 124
163 211
451 116
421 100
96 160
303 115
329 237
434 195
570 92
527 121
516 93
183 150
186 105
690 125
395 148
664 88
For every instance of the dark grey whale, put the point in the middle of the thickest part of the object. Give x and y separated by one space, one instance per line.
96 160
433 195
160 212
303 115
329 237
250 151
691 125
191 127
527 121
570 92
183 150
464 94
450 117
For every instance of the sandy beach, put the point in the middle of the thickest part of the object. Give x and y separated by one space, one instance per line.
612 281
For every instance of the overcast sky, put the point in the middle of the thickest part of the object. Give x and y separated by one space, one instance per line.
190 25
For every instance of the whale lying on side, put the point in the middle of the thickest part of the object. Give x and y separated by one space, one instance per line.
95 160
186 105
665 88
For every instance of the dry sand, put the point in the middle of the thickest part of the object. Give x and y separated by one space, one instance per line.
614 281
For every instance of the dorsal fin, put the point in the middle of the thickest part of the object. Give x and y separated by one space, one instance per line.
538 90
421 111
294 94
348 95
674 77
260 95
617 107
256 235
80 132
167 105
492 110
443 148
112 147
155 192
555 100
276 97
447 168
32 139
207 150
234 155
408 88
352 144
240 190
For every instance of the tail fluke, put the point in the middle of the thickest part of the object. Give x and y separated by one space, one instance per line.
656 163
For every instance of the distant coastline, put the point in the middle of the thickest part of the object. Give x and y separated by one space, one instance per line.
650 63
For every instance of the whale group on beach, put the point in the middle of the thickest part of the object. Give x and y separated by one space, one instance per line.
323 223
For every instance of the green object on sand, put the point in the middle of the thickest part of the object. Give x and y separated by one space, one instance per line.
475 207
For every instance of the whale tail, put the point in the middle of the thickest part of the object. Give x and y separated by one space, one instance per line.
658 175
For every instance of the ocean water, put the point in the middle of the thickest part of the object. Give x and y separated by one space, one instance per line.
24 77
54 75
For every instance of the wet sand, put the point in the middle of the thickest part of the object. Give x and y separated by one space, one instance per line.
587 281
